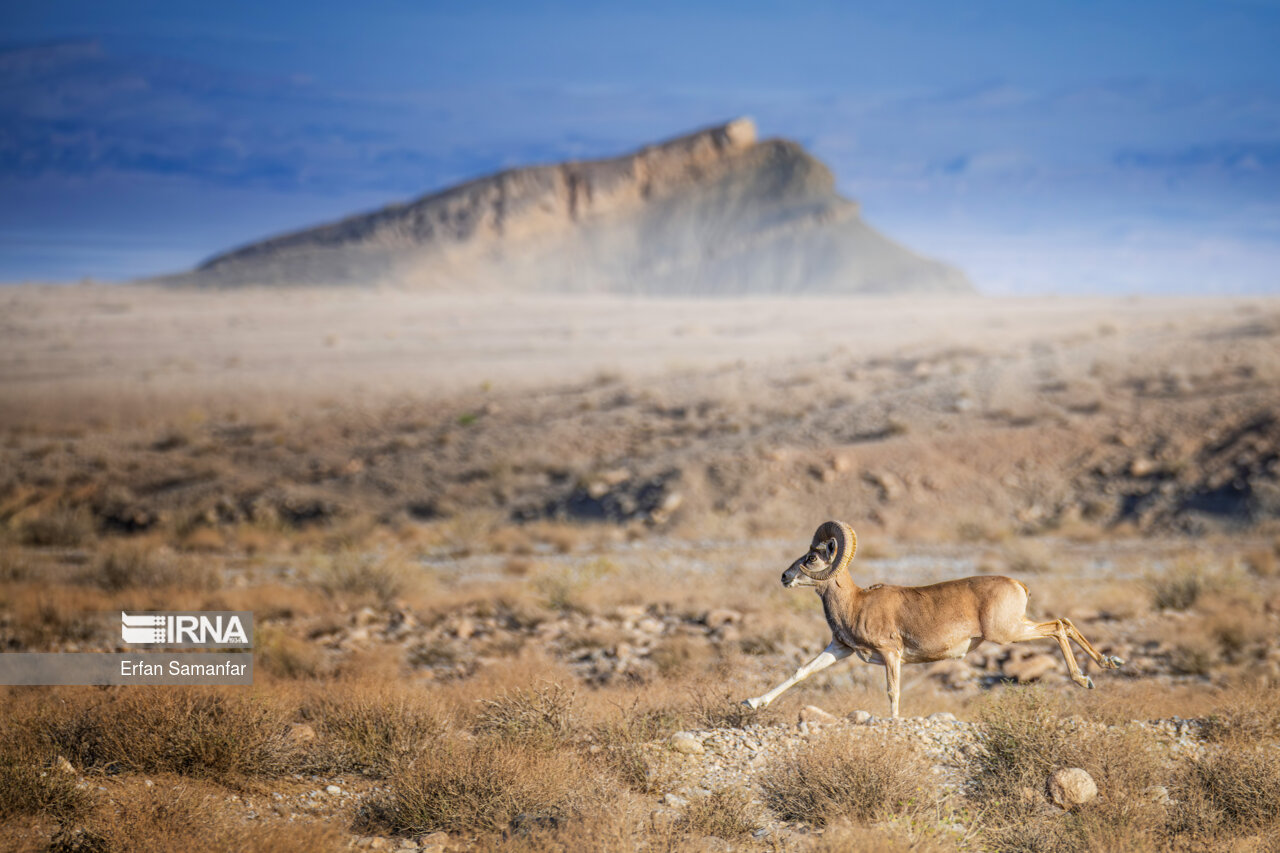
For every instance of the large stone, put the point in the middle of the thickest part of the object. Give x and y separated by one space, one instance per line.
300 733
685 743
861 717
1030 668
1071 787
718 618
813 715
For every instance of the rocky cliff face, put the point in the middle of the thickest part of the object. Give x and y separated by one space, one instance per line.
714 212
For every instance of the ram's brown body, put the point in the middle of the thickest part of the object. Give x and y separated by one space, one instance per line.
923 623
893 625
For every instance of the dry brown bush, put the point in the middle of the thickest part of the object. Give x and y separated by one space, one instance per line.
484 786
1177 588
1248 713
383 578
1232 791
843 774
1262 562
725 813
844 836
191 731
1023 740
542 717
141 564
32 783
60 528
369 728
281 655
1027 557
187 815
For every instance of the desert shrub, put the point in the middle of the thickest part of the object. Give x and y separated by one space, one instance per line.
678 655
622 745
540 717
187 817
725 813
14 565
1027 557
717 708
59 528
484 785
384 578
139 565
844 836
1262 562
284 656
185 730
1177 588
1022 741
1250 713
842 774
369 730
1231 791
33 783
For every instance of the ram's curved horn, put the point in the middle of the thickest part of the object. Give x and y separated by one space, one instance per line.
846 545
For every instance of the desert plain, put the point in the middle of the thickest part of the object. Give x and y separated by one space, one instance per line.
514 563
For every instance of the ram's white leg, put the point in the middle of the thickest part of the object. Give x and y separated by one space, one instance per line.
832 653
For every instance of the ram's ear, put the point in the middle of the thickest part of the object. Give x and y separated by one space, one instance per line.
827 550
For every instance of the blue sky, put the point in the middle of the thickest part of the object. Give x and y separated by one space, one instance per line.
1069 147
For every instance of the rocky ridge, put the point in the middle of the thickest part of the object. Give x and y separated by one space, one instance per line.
713 212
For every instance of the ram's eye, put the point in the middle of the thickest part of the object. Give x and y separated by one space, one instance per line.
813 558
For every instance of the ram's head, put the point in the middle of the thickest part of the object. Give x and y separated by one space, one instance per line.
833 547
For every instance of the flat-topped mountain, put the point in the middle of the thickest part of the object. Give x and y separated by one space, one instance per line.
713 212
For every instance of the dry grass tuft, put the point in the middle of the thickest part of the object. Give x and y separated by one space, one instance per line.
1232 791
487 786
203 732
1024 739
32 783
846 775
187 816
541 717
1178 588
140 565
358 573
725 813
60 528
369 728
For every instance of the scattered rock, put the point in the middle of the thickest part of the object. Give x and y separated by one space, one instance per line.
1030 668
675 801
332 789
1070 787
300 733
719 618
64 766
861 717
943 717
812 715
1159 795
686 743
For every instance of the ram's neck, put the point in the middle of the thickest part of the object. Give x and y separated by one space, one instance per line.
839 596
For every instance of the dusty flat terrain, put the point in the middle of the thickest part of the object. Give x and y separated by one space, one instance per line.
104 349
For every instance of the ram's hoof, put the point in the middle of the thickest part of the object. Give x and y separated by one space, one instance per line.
1112 662
753 704
1088 682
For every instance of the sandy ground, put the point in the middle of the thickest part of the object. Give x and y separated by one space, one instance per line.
112 350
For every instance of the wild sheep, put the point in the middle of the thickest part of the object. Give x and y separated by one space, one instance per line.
892 625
